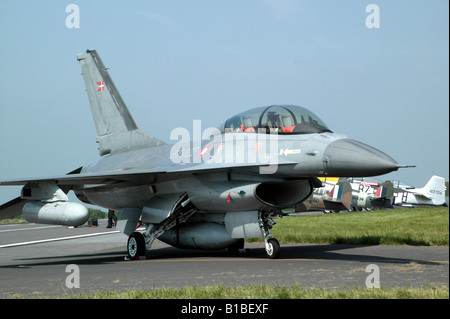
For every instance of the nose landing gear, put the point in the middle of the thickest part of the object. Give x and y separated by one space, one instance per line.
272 245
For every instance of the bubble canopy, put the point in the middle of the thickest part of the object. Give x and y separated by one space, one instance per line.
282 119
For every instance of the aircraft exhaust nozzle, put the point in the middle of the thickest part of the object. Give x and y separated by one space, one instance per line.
346 157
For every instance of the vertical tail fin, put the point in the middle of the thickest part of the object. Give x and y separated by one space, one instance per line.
346 195
434 190
385 190
335 193
116 129
341 193
384 195
380 192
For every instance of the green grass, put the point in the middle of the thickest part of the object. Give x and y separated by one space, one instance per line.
415 226
16 220
272 292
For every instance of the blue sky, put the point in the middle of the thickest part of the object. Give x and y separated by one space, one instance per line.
176 61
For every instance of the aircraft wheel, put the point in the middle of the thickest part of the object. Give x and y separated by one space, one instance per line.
234 249
136 245
273 249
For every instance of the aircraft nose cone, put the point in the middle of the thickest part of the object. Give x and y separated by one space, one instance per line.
351 158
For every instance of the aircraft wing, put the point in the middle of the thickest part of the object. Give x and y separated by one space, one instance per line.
85 178
133 176
67 182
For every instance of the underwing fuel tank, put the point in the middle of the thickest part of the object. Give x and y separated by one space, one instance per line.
56 213
199 236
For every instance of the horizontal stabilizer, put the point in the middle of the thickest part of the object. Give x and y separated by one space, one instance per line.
421 195
434 190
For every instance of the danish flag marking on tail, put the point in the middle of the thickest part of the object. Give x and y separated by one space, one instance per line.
101 86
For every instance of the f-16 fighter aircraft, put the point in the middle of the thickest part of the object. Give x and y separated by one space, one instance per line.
206 194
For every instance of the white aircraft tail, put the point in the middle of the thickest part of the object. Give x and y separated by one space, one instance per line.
434 190
116 129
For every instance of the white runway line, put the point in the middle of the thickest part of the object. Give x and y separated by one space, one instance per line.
57 239
30 228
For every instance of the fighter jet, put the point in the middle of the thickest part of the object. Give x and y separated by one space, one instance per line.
205 194
432 194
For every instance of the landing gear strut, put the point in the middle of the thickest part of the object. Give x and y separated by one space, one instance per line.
272 245
138 243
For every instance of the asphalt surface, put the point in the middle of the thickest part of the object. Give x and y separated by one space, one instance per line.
34 260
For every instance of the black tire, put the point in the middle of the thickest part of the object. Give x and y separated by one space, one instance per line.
136 245
234 249
274 249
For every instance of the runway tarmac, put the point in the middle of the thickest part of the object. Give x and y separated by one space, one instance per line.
34 260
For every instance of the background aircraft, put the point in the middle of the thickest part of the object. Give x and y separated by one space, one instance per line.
195 194
432 194
370 195
332 197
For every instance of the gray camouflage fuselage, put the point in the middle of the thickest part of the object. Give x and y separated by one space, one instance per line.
314 155
206 193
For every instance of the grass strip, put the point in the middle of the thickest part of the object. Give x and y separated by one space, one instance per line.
415 226
271 292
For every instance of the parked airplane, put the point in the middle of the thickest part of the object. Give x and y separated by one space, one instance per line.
370 195
432 194
195 194
332 197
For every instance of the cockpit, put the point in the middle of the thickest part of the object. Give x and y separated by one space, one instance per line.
281 119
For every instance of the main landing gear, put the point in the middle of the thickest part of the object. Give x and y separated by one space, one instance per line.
139 242
272 245
136 245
